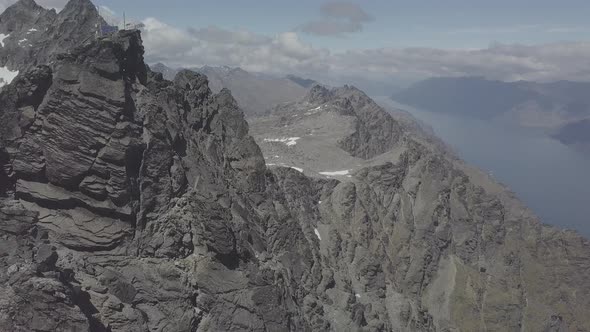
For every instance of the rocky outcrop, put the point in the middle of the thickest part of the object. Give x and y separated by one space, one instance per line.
152 193
133 203
32 35
375 131
426 242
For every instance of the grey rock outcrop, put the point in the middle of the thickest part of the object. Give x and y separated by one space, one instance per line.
133 203
448 247
33 35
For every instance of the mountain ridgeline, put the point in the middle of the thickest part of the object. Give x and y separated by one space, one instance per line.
560 108
255 93
486 99
133 203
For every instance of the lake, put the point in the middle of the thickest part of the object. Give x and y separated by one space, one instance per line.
549 177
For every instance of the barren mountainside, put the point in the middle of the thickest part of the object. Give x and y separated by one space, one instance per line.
255 93
133 203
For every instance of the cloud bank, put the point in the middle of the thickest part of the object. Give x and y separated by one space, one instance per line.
277 54
287 53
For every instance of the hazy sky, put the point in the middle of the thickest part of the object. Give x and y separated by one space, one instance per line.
440 24
335 40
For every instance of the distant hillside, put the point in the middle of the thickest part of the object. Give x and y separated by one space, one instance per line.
562 106
530 103
167 72
576 134
304 82
471 96
255 93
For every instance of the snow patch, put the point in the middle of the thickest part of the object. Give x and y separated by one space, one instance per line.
314 110
22 41
358 296
335 173
317 233
31 30
2 37
289 141
6 76
282 164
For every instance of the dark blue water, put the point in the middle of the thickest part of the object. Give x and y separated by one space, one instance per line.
550 178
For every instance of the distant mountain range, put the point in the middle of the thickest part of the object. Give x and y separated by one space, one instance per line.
560 108
304 82
576 134
255 93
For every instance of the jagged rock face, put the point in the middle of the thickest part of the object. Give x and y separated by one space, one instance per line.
152 193
444 246
132 203
23 14
375 130
34 34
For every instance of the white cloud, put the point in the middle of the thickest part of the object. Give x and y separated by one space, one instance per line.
109 16
331 27
218 35
282 53
290 45
287 53
166 43
566 60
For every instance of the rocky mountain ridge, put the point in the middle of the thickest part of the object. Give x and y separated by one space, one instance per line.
134 203
31 35
256 93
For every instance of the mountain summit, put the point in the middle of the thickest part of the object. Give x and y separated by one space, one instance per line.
26 26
